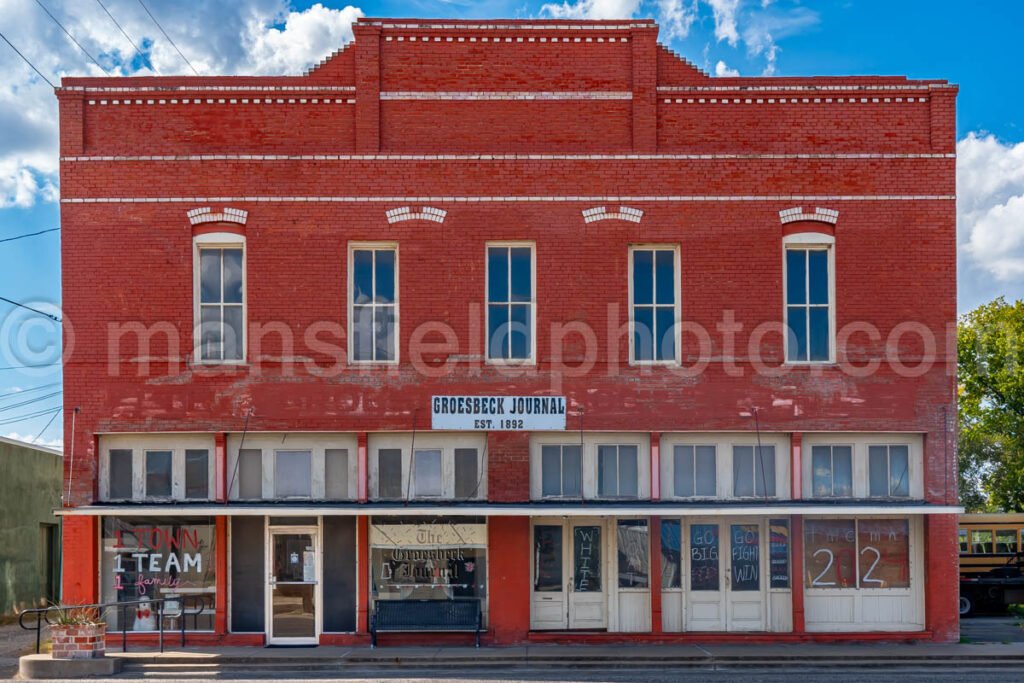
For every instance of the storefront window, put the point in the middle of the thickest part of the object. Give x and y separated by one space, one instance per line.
866 553
152 558
633 553
671 553
778 550
884 553
429 558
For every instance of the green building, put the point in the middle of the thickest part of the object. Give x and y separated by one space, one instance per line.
30 486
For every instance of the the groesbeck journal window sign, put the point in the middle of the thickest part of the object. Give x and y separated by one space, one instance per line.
498 413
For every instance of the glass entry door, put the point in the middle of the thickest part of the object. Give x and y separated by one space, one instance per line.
569 578
726 590
293 590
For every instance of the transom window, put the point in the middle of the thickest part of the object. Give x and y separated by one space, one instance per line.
695 471
561 471
889 471
221 304
617 472
753 471
808 304
374 304
833 471
653 304
510 302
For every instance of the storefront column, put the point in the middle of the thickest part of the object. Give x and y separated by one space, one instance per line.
942 587
508 593
797 572
220 617
654 570
362 470
220 465
795 469
362 565
81 563
655 466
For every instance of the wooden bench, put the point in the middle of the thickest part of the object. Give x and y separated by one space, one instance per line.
415 616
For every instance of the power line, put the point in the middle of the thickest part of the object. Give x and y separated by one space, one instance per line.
28 62
125 34
29 308
38 365
54 417
19 392
68 33
30 401
29 416
167 37
30 234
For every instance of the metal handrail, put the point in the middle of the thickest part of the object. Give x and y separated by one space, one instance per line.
42 614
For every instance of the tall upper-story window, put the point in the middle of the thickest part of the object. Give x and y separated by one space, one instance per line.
373 304
809 301
653 305
510 302
221 302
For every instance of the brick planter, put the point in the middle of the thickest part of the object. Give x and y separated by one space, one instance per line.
78 642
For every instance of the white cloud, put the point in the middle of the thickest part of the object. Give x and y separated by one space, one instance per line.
591 9
725 12
765 28
722 70
307 37
990 212
676 17
27 438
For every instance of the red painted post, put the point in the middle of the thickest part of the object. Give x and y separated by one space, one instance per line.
655 575
796 543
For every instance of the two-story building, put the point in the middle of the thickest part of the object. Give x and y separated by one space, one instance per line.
534 313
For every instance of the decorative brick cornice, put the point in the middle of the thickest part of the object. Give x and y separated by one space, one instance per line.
508 95
227 100
830 216
794 100
228 215
426 213
625 213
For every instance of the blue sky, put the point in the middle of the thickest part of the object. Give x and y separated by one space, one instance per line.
975 45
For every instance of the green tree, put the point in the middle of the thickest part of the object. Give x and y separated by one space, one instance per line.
990 361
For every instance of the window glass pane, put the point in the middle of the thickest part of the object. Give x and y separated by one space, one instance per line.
704 570
519 331
362 276
643 334
120 483
682 466
633 542
1006 541
745 550
197 473
628 476
385 291
899 474
293 474
521 277
878 471
547 553
842 471
467 480
362 333
818 276
829 553
158 474
796 276
743 471
336 473
250 473
778 552
764 476
796 323
384 327
981 542
671 554
707 471
664 262
497 331
964 545
665 335
551 470
497 274
819 343
234 333
232 276
428 473
884 553
586 559
210 332
821 468
389 473
643 276
209 276
607 470
572 471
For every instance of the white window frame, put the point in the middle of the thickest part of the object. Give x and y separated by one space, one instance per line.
561 471
803 241
832 469
668 457
888 468
141 443
677 287
588 454
268 443
764 445
446 442
861 442
218 240
350 305
532 358
618 488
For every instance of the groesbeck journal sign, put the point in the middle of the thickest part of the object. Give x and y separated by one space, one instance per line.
498 413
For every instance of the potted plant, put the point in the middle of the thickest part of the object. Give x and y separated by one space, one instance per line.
77 632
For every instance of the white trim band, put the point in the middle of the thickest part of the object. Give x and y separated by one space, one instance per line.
514 199
507 95
507 157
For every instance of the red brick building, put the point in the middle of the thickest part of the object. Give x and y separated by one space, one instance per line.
312 320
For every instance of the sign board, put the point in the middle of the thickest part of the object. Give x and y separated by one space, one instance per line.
427 535
498 413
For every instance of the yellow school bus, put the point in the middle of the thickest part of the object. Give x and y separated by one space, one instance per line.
991 561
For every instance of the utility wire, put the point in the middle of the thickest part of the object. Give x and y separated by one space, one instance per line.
30 234
37 399
29 308
125 34
167 37
54 417
38 365
29 416
68 34
19 392
28 62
